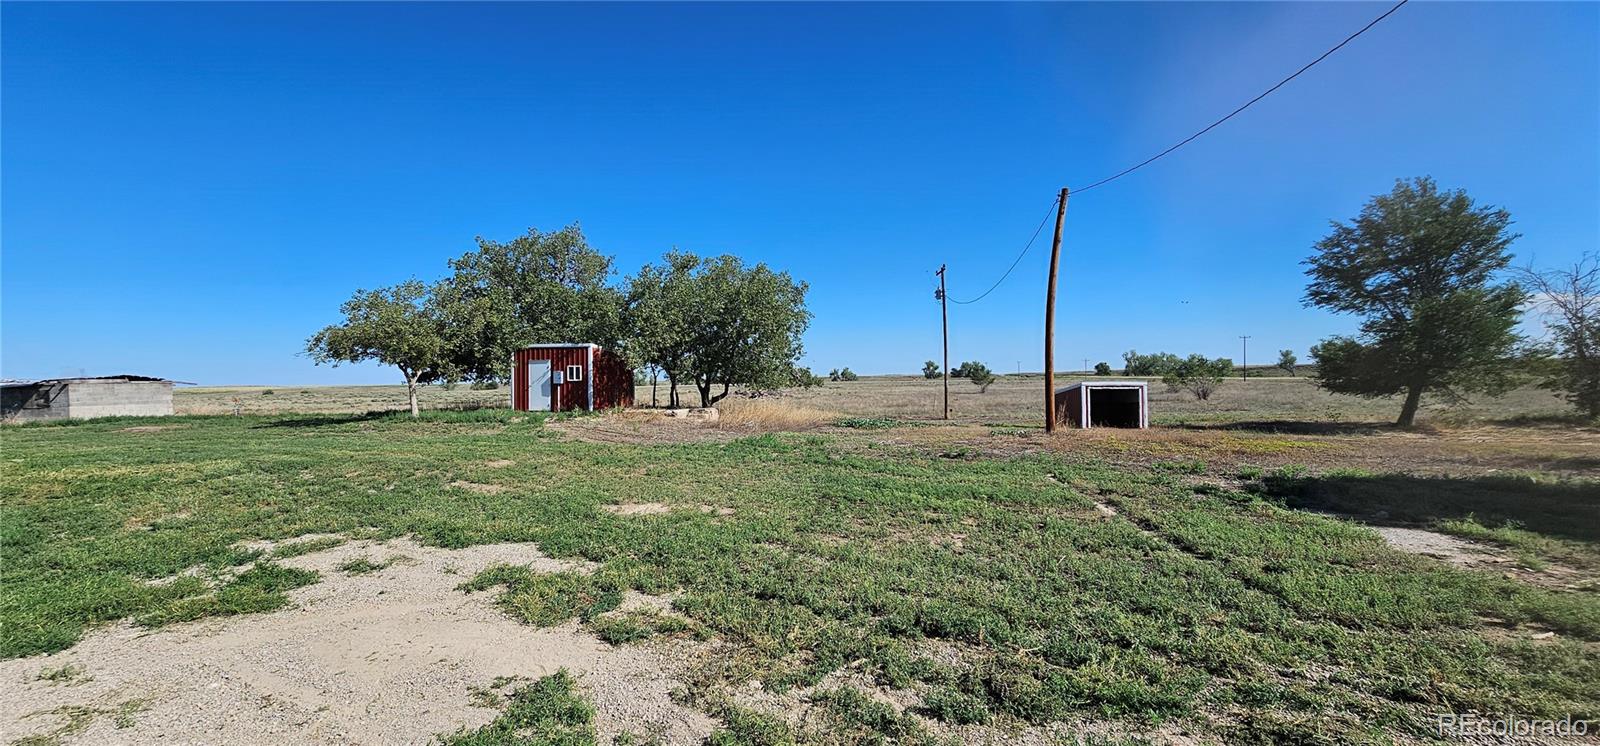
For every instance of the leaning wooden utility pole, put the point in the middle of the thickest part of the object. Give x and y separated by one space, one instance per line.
1050 320
944 322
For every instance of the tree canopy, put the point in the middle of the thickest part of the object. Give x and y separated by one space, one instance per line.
1287 361
715 322
1197 374
535 288
400 326
1419 266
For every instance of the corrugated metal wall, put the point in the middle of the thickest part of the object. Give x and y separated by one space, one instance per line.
613 382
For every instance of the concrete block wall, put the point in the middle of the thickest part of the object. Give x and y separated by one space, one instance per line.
88 399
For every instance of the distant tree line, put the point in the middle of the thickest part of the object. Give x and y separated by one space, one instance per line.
708 322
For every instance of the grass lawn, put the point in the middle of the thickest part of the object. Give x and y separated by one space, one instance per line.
1008 591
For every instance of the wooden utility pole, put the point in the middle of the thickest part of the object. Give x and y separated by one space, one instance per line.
1050 320
1244 370
944 323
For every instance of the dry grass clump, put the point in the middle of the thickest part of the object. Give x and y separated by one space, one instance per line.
770 415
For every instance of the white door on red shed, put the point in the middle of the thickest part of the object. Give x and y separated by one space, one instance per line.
539 385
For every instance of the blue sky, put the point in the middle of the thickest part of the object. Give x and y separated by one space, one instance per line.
190 190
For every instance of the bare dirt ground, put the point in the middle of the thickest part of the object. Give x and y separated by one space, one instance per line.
391 656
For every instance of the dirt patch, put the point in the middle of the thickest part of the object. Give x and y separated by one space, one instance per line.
638 509
1459 552
640 427
499 463
148 428
383 657
482 489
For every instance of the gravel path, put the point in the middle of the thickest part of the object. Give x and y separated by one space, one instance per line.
382 658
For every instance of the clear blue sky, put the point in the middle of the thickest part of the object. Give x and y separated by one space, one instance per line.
190 190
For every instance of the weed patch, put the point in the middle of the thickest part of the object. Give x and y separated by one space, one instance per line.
549 711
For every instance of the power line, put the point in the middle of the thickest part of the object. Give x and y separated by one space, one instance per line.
1247 104
1018 260
1182 143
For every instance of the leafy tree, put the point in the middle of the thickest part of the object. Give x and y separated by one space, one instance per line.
1158 364
659 315
1198 375
1418 265
400 326
980 375
847 375
715 322
1102 368
930 370
538 287
1287 360
802 377
1569 300
965 370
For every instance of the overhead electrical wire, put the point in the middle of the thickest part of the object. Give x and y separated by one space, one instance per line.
1018 260
1248 104
1185 141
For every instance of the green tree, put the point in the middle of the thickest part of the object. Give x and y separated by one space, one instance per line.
1102 368
715 322
802 377
965 369
1198 375
1134 364
659 315
930 370
1569 301
1418 265
980 376
400 326
1287 360
535 288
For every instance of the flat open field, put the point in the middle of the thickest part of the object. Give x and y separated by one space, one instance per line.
1012 399
829 566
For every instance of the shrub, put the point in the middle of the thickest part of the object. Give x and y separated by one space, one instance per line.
1287 360
980 375
802 377
1198 375
842 374
1102 369
930 369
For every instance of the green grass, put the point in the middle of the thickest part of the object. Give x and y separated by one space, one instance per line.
362 565
993 584
547 712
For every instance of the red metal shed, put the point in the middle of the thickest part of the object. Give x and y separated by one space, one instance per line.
563 377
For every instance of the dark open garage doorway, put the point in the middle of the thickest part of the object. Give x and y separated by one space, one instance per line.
1104 404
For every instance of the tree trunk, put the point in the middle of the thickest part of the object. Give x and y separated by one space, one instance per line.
654 377
705 392
411 391
1408 412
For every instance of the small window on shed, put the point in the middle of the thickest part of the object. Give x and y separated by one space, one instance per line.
574 372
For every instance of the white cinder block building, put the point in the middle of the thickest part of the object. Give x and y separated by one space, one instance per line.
83 398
